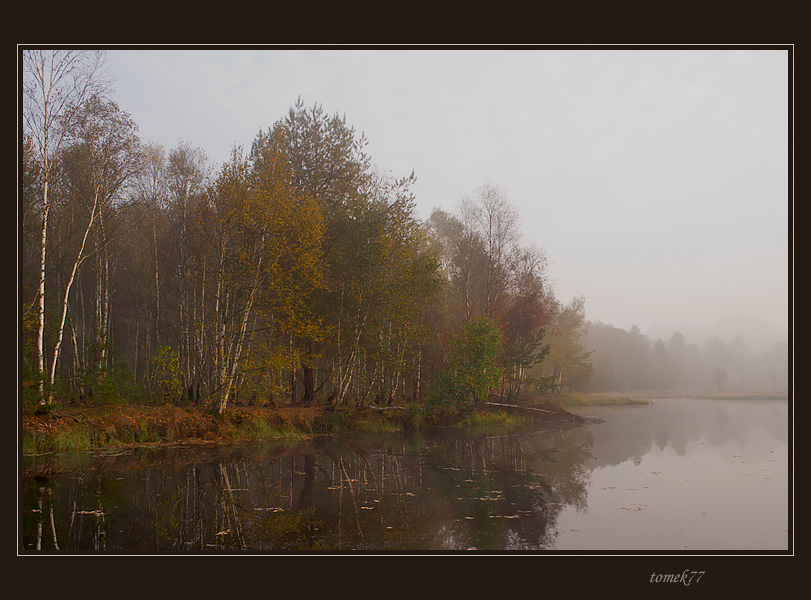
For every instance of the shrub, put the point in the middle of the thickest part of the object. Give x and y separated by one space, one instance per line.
167 376
118 385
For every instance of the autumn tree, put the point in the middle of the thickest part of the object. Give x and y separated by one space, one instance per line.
373 251
463 259
289 310
491 272
386 277
568 359
143 257
265 243
187 173
528 311
328 163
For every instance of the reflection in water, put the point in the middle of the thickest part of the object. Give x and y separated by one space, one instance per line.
680 465
686 474
444 491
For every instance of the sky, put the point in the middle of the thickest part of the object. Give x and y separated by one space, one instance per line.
655 180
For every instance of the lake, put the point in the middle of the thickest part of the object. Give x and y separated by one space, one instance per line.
680 474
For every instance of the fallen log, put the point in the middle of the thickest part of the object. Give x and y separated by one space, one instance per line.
518 407
385 408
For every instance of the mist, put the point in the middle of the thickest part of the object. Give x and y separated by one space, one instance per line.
628 360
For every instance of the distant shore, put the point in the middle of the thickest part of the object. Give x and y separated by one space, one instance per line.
643 397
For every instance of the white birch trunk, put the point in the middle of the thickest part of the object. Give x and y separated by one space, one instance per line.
240 340
41 324
79 258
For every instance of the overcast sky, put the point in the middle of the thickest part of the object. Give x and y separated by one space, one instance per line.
656 180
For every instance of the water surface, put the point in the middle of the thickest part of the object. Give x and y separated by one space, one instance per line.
680 474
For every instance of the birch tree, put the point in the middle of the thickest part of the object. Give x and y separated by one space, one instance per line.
266 243
187 175
102 156
494 220
56 84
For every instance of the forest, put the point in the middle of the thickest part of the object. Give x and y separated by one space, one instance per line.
298 272
626 360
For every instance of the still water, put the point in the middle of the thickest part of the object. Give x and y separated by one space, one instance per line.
681 474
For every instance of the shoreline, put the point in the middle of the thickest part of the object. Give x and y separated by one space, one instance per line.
80 428
72 429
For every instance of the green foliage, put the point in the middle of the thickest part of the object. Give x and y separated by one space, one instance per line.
32 443
567 360
473 371
32 376
166 374
108 385
118 385
413 417
333 422
378 426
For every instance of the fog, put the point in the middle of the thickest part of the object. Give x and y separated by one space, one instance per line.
655 180
628 360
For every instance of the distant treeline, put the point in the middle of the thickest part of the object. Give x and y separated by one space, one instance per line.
297 272
624 360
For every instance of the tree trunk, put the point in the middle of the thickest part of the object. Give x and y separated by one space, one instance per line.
76 263
307 376
41 324
157 287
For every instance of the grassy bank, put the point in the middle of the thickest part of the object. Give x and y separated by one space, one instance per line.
597 399
491 421
71 429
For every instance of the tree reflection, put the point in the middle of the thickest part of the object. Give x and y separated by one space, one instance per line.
446 491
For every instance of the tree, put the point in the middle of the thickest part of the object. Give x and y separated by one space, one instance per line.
527 313
56 84
491 273
568 360
93 169
264 244
376 271
329 164
464 259
186 176
473 370
143 248
494 221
